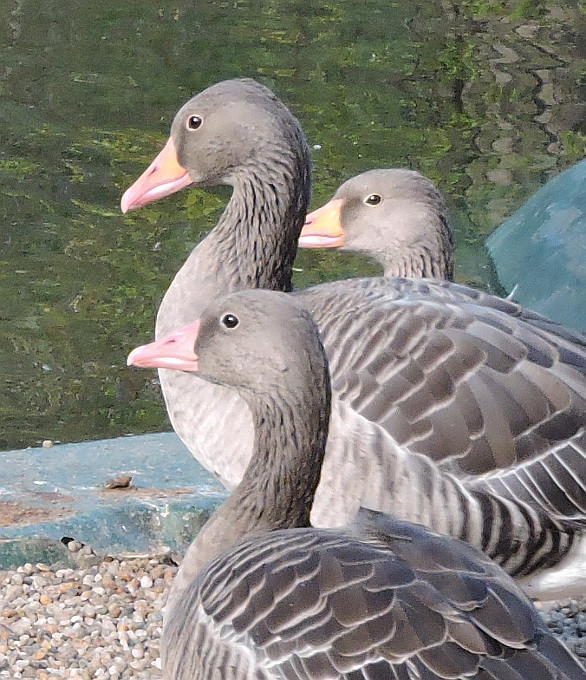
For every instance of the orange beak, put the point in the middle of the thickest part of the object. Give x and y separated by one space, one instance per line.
176 350
164 176
323 227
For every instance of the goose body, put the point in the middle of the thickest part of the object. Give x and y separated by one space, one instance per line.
379 599
261 594
450 407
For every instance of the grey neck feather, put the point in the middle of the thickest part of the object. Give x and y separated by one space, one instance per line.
432 259
256 237
279 484
255 241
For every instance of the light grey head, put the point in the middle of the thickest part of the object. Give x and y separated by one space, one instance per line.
395 216
238 133
260 341
233 125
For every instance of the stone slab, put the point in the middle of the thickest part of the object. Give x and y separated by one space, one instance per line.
47 494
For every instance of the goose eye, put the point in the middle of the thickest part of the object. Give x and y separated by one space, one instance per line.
373 199
193 122
230 321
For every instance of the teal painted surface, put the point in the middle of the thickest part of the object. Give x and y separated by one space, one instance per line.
49 493
541 249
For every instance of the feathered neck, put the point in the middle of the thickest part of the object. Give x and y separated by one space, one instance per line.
278 487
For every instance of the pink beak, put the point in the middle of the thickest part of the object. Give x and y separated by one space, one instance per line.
164 176
176 350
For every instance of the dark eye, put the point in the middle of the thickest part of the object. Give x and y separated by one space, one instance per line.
373 199
230 321
193 122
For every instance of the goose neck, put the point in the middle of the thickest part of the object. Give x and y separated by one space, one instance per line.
256 237
430 258
279 485
290 437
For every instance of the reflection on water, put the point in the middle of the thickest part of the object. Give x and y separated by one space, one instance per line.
485 98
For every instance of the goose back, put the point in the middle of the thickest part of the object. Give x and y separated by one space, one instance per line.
381 599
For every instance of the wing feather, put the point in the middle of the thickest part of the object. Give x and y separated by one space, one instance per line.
493 393
381 599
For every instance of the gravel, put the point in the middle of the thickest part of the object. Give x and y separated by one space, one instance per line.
100 620
567 619
103 620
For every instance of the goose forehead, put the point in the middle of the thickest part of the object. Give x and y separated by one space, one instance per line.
227 95
206 105
237 87
389 183
259 306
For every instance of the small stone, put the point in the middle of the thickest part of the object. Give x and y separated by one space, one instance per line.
157 571
119 482
146 582
114 610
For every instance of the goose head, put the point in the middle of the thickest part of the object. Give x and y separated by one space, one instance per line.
255 341
231 129
395 216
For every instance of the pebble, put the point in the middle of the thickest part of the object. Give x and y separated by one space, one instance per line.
567 620
103 621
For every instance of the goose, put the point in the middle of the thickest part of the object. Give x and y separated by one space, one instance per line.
395 216
262 594
438 387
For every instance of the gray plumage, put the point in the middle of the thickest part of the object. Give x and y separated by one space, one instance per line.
395 216
378 599
450 407
381 600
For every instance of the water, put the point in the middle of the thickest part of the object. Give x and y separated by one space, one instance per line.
484 97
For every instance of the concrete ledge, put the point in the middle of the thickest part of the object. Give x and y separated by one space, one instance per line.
49 493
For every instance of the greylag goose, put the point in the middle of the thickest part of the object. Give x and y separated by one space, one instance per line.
261 594
395 216
434 383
